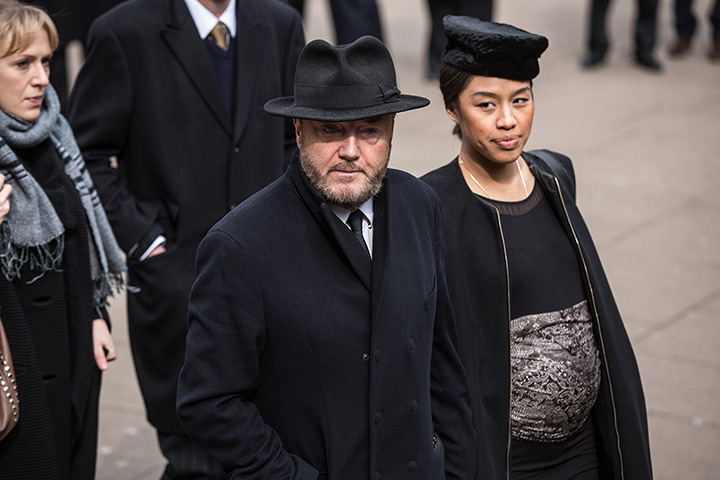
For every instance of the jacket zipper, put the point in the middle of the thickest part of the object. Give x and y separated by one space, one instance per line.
507 289
599 329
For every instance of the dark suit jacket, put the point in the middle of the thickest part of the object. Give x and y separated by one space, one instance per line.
304 358
148 95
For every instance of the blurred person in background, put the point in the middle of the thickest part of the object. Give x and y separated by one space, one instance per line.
59 263
351 18
482 9
685 25
72 19
556 392
645 34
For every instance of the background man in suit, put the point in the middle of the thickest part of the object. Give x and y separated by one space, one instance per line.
182 113
318 348
352 19
645 33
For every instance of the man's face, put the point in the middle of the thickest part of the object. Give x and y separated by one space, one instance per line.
345 161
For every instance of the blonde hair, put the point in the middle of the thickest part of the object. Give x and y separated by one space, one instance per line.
19 23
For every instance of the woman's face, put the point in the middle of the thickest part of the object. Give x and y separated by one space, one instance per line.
495 116
24 77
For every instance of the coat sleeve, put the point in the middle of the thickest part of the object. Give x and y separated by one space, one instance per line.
99 111
221 372
450 393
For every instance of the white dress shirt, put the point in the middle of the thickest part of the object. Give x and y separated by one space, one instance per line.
367 209
205 20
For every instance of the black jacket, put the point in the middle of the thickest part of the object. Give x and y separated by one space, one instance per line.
479 289
304 358
148 95
48 317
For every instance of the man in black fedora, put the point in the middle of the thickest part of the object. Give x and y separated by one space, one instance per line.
321 341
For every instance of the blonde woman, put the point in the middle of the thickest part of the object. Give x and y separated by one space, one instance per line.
58 262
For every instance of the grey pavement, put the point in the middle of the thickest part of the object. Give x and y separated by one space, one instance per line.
645 147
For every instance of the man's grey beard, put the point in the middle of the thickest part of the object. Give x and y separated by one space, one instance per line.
348 200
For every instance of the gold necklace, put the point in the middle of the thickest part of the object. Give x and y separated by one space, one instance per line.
522 177
462 164
517 162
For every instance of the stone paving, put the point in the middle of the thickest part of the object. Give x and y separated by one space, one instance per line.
645 151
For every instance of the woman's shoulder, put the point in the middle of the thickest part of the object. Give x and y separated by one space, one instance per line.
554 163
551 158
442 177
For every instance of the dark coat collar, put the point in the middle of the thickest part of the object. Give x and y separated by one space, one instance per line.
334 230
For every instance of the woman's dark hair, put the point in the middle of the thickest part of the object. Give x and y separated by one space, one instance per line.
452 82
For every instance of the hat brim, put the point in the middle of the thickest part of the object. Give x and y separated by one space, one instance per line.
285 107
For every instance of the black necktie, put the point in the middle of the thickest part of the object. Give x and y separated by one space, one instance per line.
355 220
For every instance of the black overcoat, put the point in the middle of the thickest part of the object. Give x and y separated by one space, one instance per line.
304 358
48 317
148 95
479 289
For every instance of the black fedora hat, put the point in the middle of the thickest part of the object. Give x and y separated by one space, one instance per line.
344 83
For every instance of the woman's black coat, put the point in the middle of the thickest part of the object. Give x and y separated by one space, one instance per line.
479 290
48 318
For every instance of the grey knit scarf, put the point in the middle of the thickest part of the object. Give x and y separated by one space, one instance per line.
32 231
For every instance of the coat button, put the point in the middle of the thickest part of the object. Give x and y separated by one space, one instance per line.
236 150
366 357
411 345
378 417
412 466
413 406
376 476
378 355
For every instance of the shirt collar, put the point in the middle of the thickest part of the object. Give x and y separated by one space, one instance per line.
205 20
343 213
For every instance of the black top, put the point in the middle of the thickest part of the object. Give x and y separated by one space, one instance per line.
544 269
545 277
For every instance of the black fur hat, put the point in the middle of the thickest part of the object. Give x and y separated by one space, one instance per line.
492 49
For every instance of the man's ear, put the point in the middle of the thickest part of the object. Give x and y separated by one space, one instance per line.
297 122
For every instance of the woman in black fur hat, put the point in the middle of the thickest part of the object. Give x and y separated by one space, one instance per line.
555 384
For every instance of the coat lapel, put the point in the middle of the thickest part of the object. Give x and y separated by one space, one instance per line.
382 240
182 37
354 252
336 233
249 48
